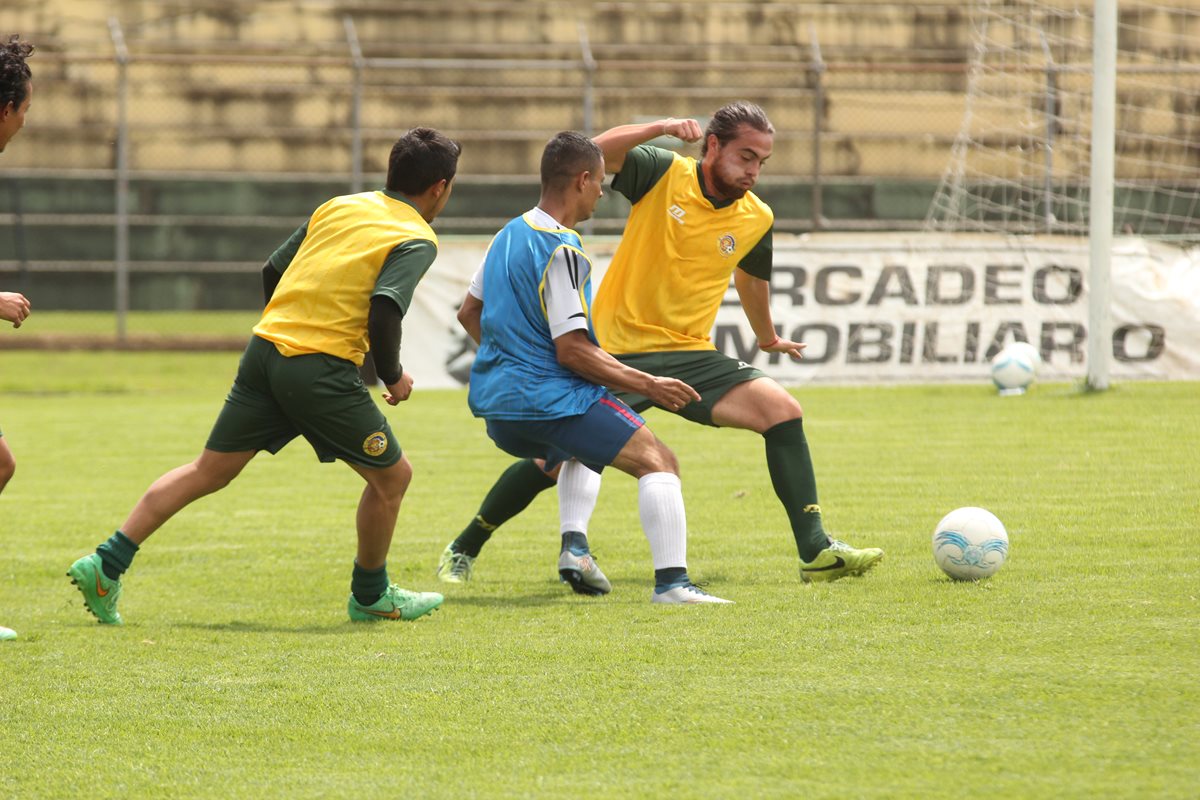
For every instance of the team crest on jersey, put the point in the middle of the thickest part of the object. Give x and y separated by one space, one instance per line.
375 444
727 244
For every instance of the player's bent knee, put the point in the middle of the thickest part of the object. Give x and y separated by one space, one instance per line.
215 477
218 469
393 481
789 414
388 484
664 459
779 407
404 476
644 454
8 464
553 473
779 402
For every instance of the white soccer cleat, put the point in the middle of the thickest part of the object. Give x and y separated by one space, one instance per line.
454 567
582 573
687 594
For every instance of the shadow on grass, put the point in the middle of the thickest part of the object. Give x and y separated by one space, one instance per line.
554 598
342 625
238 626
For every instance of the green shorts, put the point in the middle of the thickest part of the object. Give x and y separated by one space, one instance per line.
276 398
709 372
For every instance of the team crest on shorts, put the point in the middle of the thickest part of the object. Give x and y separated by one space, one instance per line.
727 244
375 444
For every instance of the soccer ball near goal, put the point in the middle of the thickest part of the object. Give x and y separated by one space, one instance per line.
1031 353
970 543
1015 367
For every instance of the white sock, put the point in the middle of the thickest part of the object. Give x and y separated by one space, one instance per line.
660 504
578 488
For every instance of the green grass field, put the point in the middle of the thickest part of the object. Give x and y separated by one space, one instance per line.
162 323
1072 673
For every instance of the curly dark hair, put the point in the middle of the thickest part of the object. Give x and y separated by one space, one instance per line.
14 72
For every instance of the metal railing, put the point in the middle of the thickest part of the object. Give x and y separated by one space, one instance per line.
322 115
149 110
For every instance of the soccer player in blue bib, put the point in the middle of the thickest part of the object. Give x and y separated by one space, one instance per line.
694 226
539 377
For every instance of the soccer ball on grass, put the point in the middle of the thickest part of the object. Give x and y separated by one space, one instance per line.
1031 352
970 543
1015 367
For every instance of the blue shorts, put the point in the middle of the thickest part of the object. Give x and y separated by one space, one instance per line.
594 437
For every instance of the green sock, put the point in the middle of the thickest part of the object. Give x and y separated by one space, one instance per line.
791 469
512 492
116 555
368 585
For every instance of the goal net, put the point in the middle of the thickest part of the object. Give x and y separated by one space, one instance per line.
1021 160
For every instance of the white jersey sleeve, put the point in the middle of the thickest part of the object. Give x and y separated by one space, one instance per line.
566 276
476 287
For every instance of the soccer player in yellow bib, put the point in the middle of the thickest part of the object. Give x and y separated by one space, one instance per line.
16 89
338 288
692 226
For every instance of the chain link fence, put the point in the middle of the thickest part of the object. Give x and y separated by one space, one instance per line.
165 157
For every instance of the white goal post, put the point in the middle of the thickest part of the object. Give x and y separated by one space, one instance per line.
1082 120
1100 186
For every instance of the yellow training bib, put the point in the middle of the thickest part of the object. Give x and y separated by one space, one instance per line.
322 300
672 267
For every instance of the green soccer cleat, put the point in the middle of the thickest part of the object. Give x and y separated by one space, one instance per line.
839 560
396 603
455 567
100 593
7 634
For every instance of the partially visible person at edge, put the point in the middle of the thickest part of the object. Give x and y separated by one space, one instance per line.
16 93
693 224
539 378
336 289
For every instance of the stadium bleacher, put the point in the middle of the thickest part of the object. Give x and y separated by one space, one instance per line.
240 115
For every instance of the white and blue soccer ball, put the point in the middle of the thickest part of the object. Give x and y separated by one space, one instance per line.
970 543
1031 352
1015 367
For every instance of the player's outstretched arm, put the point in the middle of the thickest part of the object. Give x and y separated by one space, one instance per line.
616 142
14 308
755 296
579 354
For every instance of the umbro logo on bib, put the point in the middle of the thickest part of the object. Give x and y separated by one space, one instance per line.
676 213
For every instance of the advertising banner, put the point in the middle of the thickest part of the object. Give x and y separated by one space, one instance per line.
917 308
